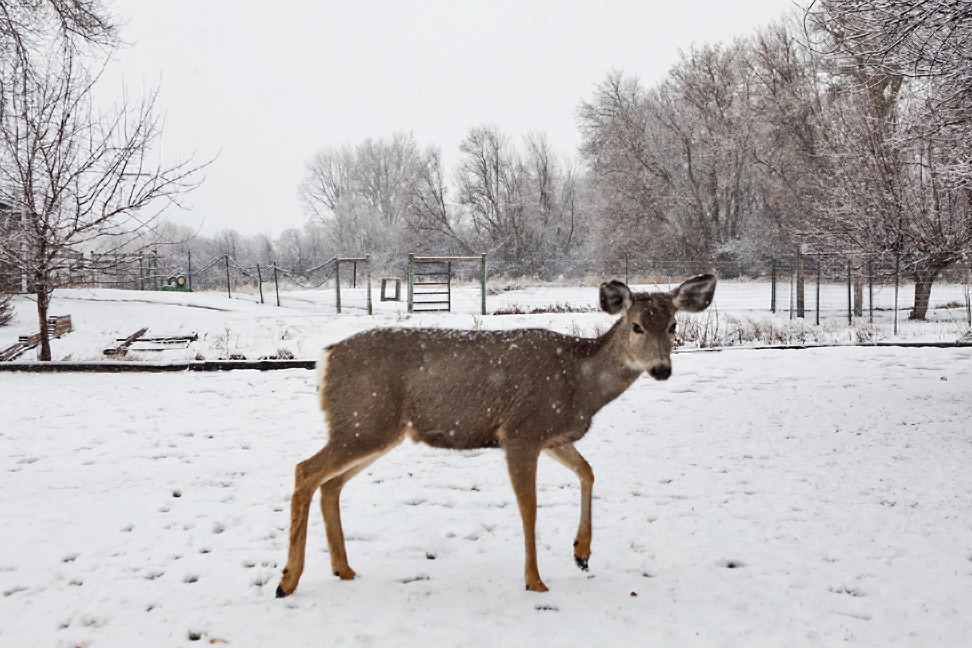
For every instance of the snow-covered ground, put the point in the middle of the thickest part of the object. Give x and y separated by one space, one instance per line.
759 497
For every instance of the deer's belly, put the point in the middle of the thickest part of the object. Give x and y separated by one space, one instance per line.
454 438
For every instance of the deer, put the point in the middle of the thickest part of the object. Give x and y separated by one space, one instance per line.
525 391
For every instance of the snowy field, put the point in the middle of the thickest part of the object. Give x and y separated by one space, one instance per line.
759 497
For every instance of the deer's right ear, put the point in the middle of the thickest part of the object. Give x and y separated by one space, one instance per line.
615 297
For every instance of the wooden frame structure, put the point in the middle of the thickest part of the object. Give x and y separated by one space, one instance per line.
414 260
337 277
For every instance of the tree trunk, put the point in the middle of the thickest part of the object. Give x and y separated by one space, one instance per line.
923 286
858 287
43 301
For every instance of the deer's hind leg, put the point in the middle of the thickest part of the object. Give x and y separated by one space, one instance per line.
331 510
332 462
568 455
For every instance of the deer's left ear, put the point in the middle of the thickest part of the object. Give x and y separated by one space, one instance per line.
695 294
615 297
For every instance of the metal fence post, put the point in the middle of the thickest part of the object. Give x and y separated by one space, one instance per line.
897 276
792 290
800 280
368 279
850 303
260 282
870 291
189 272
773 287
410 280
818 291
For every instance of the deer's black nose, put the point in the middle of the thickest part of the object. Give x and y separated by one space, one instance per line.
660 373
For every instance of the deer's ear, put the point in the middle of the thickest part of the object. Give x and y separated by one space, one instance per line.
695 294
615 297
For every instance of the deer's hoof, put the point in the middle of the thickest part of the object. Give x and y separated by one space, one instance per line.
280 592
536 587
345 573
581 562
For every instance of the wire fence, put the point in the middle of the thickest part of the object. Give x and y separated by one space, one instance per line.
813 288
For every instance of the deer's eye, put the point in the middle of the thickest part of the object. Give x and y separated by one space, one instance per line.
637 328
671 329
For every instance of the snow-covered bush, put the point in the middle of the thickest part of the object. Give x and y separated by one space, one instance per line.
6 309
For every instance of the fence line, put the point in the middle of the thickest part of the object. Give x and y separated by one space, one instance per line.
814 288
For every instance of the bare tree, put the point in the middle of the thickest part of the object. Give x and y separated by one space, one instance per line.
362 195
429 210
675 164
900 139
492 188
81 179
24 23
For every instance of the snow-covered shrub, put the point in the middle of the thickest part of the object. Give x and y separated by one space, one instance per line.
6 309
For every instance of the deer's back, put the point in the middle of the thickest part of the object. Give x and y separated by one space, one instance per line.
454 389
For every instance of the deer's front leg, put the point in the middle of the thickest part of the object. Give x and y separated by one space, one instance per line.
522 464
567 455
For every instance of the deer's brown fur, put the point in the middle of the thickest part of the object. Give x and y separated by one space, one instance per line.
526 391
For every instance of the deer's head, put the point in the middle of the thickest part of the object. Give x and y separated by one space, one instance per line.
647 324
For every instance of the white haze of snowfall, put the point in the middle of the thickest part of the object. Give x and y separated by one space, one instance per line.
758 497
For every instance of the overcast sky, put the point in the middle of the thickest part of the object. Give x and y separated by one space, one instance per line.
263 85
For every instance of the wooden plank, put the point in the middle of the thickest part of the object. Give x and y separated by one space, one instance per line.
447 259
172 338
146 367
122 348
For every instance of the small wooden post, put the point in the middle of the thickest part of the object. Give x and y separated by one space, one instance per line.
276 284
482 283
337 284
260 282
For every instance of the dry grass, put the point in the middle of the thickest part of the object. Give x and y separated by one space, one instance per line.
713 329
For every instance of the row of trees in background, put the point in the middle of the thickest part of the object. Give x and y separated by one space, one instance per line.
844 131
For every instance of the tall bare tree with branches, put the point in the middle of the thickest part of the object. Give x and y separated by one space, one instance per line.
81 179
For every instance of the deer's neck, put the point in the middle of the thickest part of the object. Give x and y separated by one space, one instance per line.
605 374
